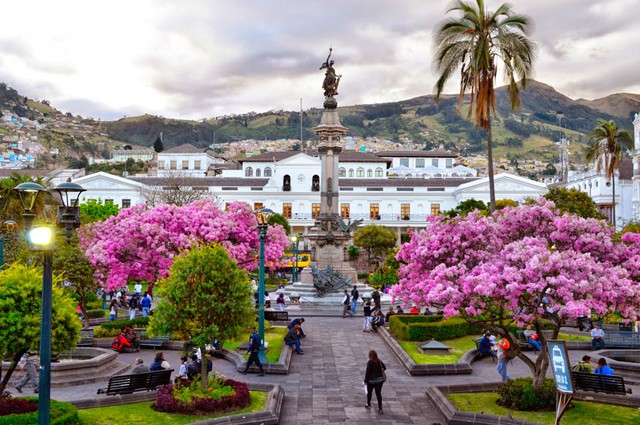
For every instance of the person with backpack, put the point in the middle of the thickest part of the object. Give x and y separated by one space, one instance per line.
133 306
354 299
583 365
346 305
503 356
374 378
375 296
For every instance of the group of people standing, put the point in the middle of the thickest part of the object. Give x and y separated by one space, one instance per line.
135 302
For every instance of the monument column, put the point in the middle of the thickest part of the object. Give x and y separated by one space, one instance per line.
330 235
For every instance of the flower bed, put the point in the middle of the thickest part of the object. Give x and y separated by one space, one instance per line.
223 395
24 411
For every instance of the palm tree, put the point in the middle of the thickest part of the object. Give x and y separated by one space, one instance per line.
477 41
607 145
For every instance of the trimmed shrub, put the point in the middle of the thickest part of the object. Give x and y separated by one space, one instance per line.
138 322
95 313
181 399
519 394
61 413
422 328
105 333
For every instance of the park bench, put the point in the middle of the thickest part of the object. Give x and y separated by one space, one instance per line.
127 384
478 355
608 384
524 343
86 338
151 342
282 316
624 339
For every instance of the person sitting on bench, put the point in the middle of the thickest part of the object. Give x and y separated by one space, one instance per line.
603 368
293 338
486 345
299 321
598 337
532 339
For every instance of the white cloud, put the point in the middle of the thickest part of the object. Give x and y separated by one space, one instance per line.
198 58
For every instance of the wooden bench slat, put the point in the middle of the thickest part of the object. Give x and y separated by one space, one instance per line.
127 384
600 383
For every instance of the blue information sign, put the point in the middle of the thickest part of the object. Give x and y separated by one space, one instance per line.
560 366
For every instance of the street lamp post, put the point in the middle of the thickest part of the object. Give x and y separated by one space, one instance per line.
41 239
262 215
294 274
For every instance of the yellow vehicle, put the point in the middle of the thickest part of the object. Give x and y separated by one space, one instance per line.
304 259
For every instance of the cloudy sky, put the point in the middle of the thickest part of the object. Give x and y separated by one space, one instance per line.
203 58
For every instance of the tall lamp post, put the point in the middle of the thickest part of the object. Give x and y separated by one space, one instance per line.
40 239
262 215
294 274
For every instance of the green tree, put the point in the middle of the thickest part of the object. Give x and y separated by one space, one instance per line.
20 309
375 240
465 207
573 201
158 146
73 266
95 210
476 42
607 144
505 203
205 297
276 218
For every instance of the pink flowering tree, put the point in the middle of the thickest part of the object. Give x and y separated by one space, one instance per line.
518 266
141 242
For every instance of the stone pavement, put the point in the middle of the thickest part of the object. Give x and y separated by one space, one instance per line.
324 386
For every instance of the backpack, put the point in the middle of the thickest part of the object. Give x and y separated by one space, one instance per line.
579 367
347 301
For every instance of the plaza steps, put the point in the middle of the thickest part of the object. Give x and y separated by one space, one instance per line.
70 378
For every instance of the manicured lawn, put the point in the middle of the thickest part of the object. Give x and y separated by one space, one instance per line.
142 413
582 414
459 346
274 336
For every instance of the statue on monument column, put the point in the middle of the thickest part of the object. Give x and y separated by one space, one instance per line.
331 80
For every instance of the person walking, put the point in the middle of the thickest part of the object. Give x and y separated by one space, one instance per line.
346 305
253 349
366 310
374 377
503 356
133 306
375 296
29 363
354 298
145 303
280 301
113 309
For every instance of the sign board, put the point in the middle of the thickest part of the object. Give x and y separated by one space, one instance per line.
560 366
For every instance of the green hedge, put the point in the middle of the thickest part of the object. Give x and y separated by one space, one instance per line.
95 313
61 414
138 322
422 328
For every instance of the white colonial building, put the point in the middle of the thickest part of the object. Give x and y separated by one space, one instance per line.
185 161
289 183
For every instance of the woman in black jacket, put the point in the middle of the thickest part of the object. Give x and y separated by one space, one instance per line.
374 377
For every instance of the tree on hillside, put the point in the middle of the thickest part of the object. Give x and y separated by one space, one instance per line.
476 42
205 297
142 242
157 145
607 144
518 266
20 307
573 201
375 240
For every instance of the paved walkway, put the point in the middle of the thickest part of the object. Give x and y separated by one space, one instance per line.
324 385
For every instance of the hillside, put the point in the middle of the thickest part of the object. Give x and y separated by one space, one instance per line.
531 132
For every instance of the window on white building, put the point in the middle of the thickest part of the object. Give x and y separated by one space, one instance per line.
248 172
360 172
449 163
369 172
174 165
267 171
379 172
420 163
342 172
434 162
404 161
160 165
197 165
126 203
258 172
185 165
350 172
